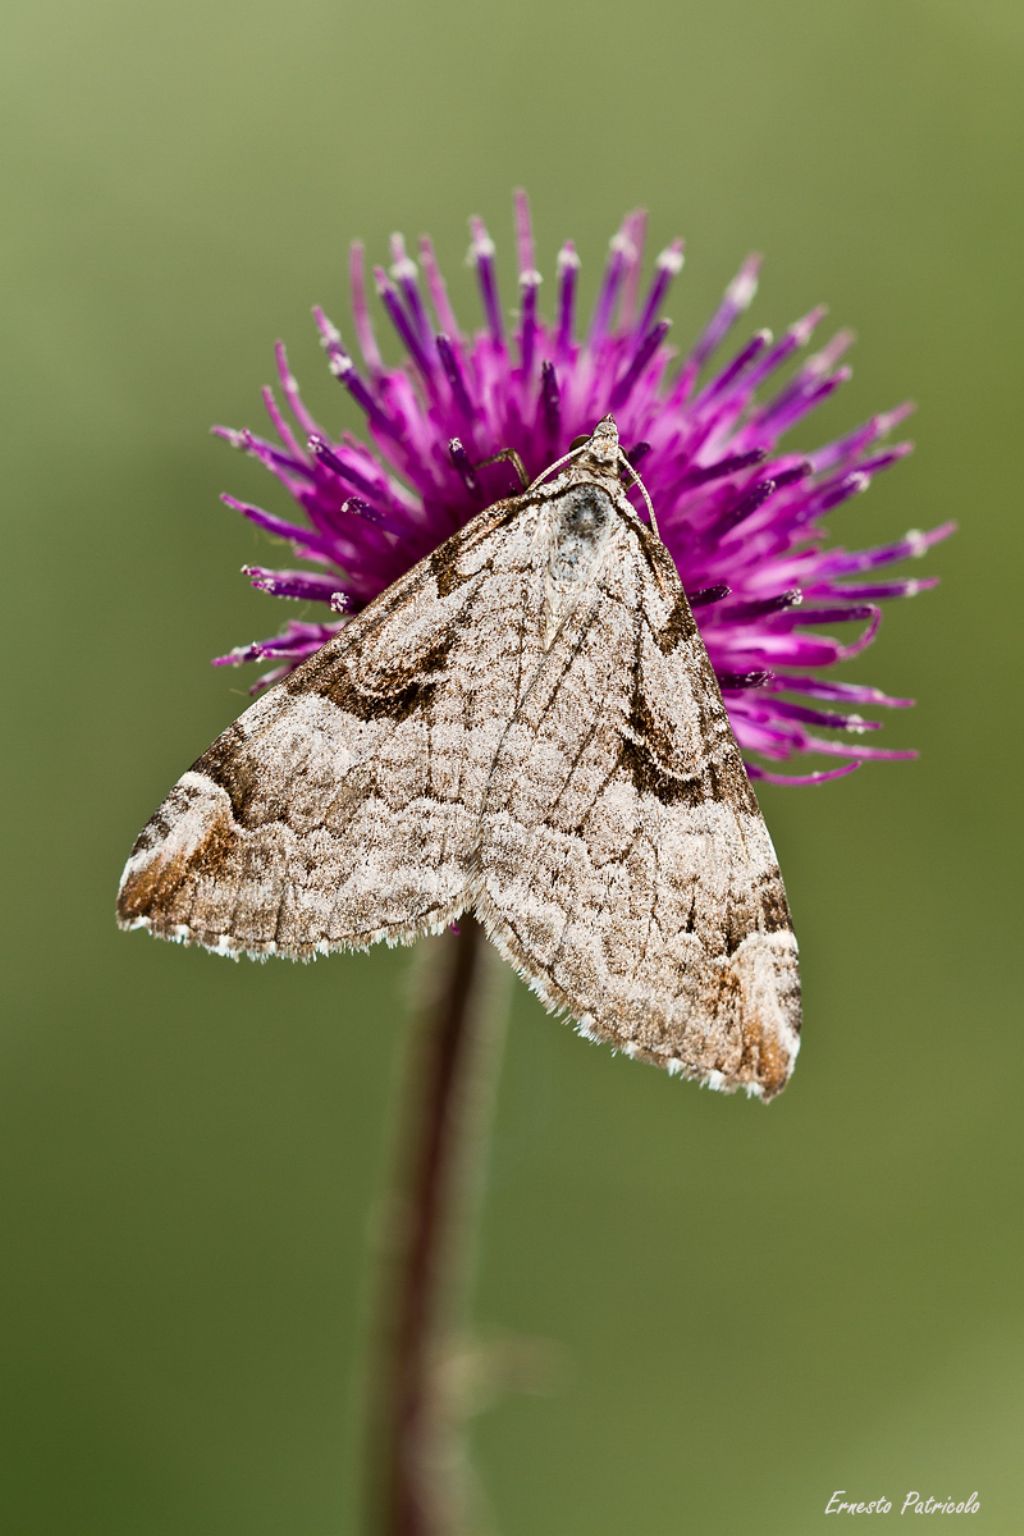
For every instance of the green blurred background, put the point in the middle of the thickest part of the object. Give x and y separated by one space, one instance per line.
749 1308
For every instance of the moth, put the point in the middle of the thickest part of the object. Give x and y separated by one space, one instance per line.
525 727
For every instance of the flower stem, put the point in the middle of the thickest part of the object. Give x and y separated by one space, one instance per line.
416 1450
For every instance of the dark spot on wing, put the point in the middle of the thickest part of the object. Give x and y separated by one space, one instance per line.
444 567
391 695
763 911
775 915
444 562
652 777
649 756
678 627
736 925
232 769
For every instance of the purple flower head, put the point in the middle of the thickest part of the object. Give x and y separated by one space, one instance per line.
741 515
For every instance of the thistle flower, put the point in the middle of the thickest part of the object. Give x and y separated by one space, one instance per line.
741 515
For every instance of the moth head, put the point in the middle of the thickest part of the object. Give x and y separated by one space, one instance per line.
602 447
595 450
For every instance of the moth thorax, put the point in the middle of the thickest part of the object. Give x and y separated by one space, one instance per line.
584 520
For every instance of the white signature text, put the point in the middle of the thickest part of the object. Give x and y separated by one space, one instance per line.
914 1503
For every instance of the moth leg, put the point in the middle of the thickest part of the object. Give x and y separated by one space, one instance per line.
510 456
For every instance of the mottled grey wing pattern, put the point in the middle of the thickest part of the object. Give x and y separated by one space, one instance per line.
627 871
344 806
526 726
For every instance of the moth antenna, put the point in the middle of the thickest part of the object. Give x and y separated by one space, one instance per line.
635 479
573 453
